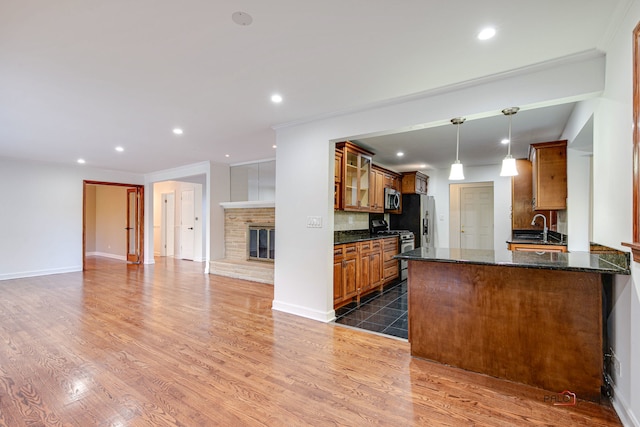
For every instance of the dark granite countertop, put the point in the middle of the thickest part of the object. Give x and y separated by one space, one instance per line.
341 237
616 262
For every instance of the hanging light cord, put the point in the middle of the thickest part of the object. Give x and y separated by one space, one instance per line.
509 147
458 143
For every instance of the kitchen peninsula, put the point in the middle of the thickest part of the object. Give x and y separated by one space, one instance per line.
533 318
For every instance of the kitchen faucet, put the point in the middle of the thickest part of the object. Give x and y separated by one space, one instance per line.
545 230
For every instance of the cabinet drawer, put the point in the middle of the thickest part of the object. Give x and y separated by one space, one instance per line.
391 243
391 271
388 256
350 249
365 247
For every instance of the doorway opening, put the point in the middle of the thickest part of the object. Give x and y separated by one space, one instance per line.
113 221
471 215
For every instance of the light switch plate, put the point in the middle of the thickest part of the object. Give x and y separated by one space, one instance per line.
314 222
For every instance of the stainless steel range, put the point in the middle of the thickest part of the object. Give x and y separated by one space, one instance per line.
406 237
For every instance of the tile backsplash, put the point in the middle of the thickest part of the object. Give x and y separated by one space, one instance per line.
344 221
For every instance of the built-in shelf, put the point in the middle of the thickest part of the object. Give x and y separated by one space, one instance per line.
249 204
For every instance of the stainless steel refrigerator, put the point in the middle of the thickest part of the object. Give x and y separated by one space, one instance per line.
419 216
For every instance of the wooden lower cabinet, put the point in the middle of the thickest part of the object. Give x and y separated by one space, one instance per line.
391 269
362 267
370 266
345 271
528 247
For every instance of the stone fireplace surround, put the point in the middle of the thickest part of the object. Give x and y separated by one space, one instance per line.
237 218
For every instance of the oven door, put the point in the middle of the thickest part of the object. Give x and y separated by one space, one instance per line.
391 199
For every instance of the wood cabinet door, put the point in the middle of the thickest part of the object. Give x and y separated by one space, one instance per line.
350 271
337 190
549 175
365 271
350 277
414 183
422 184
365 193
397 183
377 188
350 180
375 269
338 282
356 181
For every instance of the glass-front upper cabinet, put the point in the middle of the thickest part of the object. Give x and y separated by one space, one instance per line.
356 179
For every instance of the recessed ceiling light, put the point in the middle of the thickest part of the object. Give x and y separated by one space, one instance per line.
226 155
178 131
119 149
422 166
242 18
81 161
505 141
274 146
486 33
399 154
276 99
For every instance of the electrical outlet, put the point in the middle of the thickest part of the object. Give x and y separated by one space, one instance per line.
314 222
350 219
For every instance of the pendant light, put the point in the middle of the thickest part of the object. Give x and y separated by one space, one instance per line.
456 168
509 163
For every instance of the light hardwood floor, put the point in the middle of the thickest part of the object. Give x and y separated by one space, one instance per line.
165 344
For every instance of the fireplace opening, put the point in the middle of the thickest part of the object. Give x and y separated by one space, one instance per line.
261 243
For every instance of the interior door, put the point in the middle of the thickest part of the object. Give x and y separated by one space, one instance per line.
168 227
133 228
187 233
476 217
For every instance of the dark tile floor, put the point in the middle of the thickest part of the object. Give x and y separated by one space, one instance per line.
385 313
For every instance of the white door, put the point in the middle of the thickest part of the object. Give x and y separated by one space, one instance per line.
187 233
476 217
168 224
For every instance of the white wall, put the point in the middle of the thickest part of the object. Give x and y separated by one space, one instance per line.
253 181
612 210
111 221
439 188
305 158
219 185
579 200
41 215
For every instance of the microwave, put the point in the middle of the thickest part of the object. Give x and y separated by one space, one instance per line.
391 199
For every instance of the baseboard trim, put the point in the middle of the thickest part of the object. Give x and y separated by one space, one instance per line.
35 273
622 408
107 255
298 310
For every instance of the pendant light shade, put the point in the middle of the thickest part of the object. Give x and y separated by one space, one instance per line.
509 163
457 174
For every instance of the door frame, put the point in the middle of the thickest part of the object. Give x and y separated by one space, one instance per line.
139 188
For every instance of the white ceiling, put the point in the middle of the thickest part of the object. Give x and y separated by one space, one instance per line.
480 140
78 77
